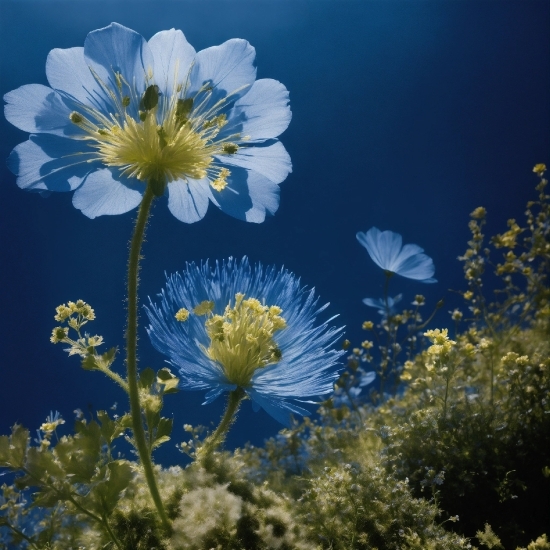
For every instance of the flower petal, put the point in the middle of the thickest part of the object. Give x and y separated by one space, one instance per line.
383 246
271 160
47 162
188 201
227 67
102 194
173 57
419 267
263 112
38 109
280 410
116 48
68 72
248 196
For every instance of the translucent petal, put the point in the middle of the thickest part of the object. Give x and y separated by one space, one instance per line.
38 109
418 266
103 194
188 202
271 160
226 67
47 162
173 59
263 112
68 72
278 409
248 196
117 49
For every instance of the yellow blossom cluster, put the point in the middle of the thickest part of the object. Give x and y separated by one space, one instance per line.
441 346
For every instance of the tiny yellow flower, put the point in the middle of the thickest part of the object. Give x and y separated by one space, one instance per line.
59 334
182 314
368 325
204 308
539 169
456 315
479 213
468 295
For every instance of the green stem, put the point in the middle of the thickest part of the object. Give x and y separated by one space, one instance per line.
76 504
386 287
115 377
131 351
217 438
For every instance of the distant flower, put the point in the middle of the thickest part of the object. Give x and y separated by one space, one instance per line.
387 251
380 304
249 327
122 112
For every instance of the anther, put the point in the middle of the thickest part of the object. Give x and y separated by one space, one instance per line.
150 98
76 118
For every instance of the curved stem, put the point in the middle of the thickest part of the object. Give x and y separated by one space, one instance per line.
215 439
131 352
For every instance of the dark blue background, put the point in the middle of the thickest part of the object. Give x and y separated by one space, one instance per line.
406 115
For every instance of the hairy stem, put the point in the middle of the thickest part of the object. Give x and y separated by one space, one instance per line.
217 438
131 352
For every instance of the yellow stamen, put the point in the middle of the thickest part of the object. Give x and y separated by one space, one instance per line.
242 339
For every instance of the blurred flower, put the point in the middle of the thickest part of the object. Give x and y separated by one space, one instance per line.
123 112
387 251
380 304
259 334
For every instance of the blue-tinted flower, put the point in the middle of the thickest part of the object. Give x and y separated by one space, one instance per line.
122 112
387 251
236 325
380 304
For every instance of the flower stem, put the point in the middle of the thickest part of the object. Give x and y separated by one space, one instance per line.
131 351
215 439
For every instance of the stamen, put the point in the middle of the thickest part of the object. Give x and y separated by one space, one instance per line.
242 340
170 138
220 183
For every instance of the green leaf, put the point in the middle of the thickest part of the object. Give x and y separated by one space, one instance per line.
41 464
108 358
147 378
168 380
164 427
79 454
89 363
14 448
105 495
159 441
110 429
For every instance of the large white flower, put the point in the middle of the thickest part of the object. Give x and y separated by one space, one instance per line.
122 113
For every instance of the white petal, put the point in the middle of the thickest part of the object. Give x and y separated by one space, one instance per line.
46 162
118 49
248 196
271 161
188 202
228 67
263 111
173 59
101 194
35 108
68 72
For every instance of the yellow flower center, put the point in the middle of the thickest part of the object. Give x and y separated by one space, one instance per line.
173 137
242 339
